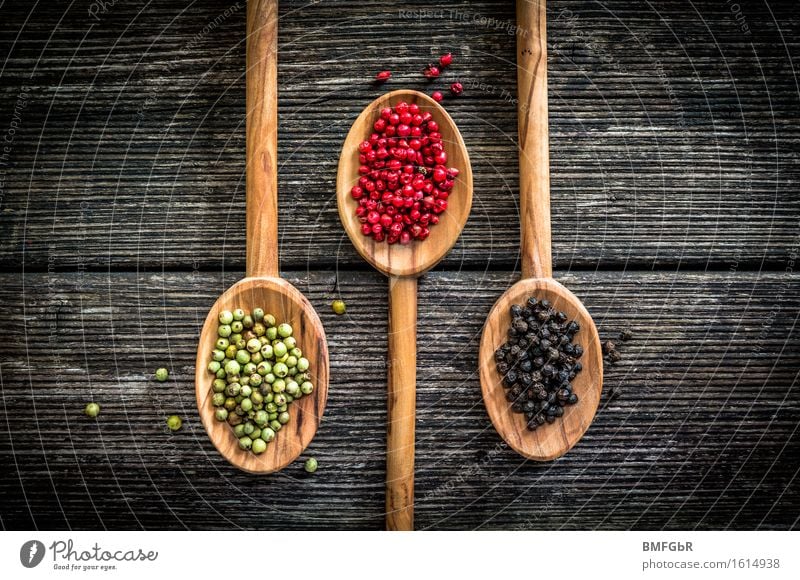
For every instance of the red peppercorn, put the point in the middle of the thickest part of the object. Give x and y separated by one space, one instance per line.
456 88
383 76
437 96
446 59
431 71
404 181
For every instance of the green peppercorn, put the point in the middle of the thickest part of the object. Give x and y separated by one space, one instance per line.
230 403
259 446
285 407
267 351
246 390
280 370
291 362
223 343
302 364
271 407
278 350
289 399
269 320
235 338
242 357
162 374
238 314
259 329
234 419
264 368
233 389
249 368
293 389
219 385
310 465
268 398
253 345
214 366
284 330
338 307
258 314
225 317
245 442
238 430
270 378
237 326
261 418
174 422
218 399
306 388
273 416
290 343
248 321
267 434
221 414
221 374
92 410
224 330
248 428
232 367
257 398
279 399
283 418
246 405
278 386
256 379
275 425
272 333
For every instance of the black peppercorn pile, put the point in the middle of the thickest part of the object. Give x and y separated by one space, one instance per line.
539 361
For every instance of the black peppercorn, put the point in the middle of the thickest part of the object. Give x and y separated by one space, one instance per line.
608 346
573 398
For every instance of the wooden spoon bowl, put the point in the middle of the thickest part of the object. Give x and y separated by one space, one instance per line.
417 257
287 304
548 441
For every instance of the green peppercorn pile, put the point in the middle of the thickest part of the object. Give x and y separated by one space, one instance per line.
539 361
259 370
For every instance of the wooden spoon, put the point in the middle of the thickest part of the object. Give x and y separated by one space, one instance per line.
551 440
263 287
403 264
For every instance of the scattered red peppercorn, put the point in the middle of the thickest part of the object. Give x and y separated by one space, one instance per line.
437 96
404 181
431 71
456 88
446 60
383 76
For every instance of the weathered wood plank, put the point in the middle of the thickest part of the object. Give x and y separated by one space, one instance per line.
701 429
669 125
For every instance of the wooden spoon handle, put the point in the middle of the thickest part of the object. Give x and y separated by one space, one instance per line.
534 155
262 138
402 403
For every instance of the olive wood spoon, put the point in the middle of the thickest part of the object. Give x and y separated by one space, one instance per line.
550 440
403 264
262 286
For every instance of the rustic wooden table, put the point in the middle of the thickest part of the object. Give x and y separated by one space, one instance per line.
674 133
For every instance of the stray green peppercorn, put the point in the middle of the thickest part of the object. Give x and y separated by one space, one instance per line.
310 465
92 410
338 307
174 422
162 374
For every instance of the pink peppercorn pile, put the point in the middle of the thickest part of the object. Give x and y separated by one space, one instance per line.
404 181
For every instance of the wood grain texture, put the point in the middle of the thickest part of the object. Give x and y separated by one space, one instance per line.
549 441
262 138
697 426
534 144
417 257
401 403
287 304
665 121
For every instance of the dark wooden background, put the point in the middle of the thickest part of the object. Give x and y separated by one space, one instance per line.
674 132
